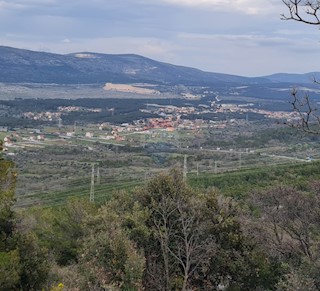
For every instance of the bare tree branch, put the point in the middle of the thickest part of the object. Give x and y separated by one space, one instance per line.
302 11
308 115
292 214
191 245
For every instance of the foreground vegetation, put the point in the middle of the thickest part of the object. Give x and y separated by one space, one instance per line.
167 235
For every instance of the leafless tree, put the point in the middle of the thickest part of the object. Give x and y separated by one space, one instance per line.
180 229
164 224
305 11
308 113
192 244
288 222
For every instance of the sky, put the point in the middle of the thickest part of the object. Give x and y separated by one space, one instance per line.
241 37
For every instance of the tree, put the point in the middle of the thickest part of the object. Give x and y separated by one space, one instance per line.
289 219
192 245
296 281
34 262
23 264
238 263
196 241
308 115
9 255
286 224
109 259
62 229
9 270
307 12
7 186
178 243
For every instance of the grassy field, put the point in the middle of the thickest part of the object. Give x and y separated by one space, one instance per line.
61 168
102 193
240 183
52 170
3 135
237 184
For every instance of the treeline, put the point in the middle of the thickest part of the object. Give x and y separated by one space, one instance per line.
264 137
125 110
163 236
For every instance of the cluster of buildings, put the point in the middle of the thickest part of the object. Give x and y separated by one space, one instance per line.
170 118
77 109
248 108
55 116
45 116
168 109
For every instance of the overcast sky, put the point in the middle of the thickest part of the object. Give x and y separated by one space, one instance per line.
243 37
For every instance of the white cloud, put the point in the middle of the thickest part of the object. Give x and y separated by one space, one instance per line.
241 54
5 5
24 4
249 54
149 47
244 6
31 2
243 39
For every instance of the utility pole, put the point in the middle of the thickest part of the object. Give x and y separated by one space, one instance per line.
176 137
98 176
215 167
145 140
185 170
92 186
198 169
240 160
74 126
60 123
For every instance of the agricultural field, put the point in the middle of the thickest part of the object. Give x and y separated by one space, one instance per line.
54 169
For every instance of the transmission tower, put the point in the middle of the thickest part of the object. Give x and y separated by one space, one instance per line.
60 123
92 185
98 176
185 170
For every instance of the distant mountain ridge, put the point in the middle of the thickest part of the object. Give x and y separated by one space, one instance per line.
25 66
294 78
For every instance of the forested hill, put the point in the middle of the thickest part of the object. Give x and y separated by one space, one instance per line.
19 65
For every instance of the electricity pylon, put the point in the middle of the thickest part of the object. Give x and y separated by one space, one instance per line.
185 169
92 185
98 176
